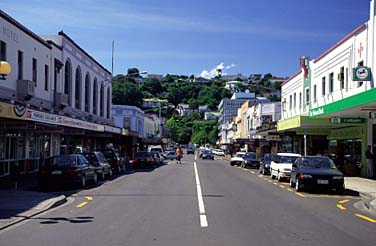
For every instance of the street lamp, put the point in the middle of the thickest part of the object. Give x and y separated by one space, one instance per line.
4 69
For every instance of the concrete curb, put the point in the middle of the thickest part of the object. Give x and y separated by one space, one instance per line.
38 209
369 202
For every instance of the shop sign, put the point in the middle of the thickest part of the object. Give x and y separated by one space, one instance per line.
316 111
112 129
362 74
12 111
338 120
42 117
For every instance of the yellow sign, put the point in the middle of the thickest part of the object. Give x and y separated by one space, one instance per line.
12 111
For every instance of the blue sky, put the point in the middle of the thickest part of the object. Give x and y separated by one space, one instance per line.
187 37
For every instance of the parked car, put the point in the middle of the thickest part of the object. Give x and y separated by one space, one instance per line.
170 155
281 165
237 159
207 154
265 164
218 152
100 163
310 172
250 160
190 149
158 158
67 169
143 159
115 160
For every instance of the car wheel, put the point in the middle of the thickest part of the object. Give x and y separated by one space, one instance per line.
231 164
297 186
279 178
103 175
271 174
110 173
83 181
291 183
341 191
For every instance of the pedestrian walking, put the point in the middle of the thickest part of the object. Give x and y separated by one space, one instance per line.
369 159
179 154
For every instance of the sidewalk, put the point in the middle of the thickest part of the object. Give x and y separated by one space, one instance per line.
366 189
16 206
25 202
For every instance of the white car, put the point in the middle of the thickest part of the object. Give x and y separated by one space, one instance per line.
237 159
281 165
218 152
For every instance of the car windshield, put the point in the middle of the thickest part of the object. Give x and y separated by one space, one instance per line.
91 157
240 155
250 155
324 163
286 159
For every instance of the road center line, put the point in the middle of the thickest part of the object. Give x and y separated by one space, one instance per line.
201 206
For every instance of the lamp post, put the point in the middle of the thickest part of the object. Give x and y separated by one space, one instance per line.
5 69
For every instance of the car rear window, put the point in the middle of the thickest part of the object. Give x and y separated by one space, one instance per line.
324 163
286 159
250 155
142 154
64 160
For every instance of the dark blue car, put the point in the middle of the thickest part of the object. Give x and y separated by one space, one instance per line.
311 172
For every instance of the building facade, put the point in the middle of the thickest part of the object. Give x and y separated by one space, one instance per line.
328 106
57 98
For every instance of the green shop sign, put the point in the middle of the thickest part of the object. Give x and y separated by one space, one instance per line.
337 120
362 74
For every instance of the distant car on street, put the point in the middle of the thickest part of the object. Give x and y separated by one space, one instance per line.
265 164
158 158
100 163
170 155
250 160
115 160
218 152
237 159
207 154
143 159
311 172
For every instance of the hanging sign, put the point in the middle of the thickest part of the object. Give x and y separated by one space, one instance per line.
362 74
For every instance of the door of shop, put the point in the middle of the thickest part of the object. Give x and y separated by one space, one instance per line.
10 151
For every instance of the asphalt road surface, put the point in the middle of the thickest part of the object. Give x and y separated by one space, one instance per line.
215 205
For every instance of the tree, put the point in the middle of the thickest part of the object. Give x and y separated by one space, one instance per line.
152 85
126 93
133 72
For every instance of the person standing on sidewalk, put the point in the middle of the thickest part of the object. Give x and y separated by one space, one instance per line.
369 159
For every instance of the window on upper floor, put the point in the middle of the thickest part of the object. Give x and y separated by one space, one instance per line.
34 71
294 100
307 97
360 64
3 51
341 77
331 83
323 86
300 100
20 64
46 74
290 102
314 93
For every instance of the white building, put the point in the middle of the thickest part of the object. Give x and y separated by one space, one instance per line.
328 105
56 98
130 118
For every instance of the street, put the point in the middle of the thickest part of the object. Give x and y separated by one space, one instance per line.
163 207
